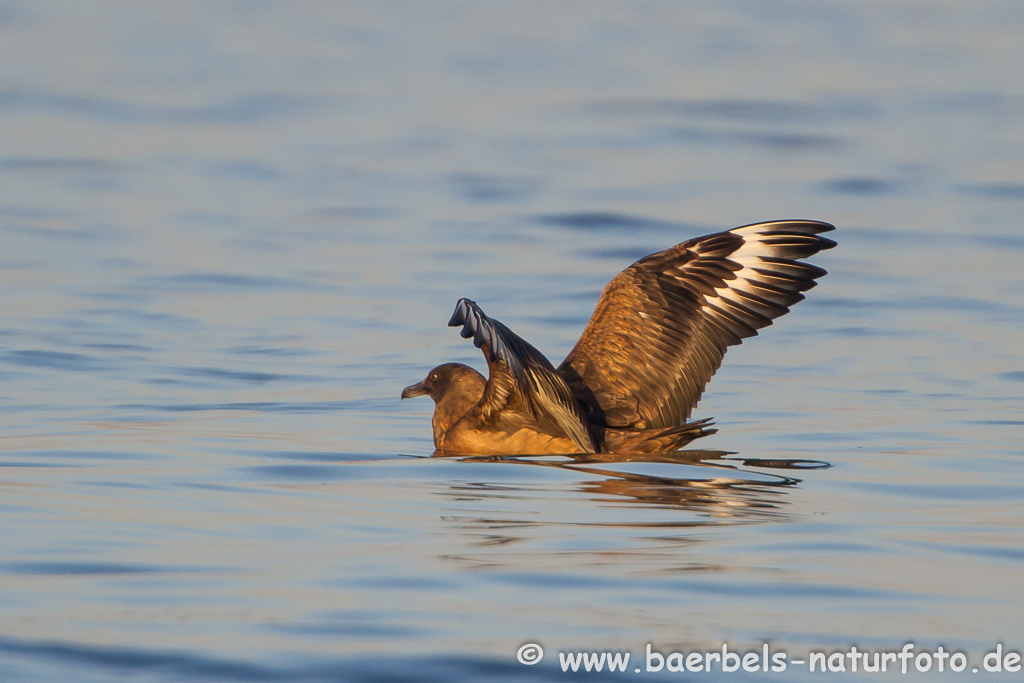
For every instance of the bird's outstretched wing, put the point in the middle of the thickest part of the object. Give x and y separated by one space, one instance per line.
521 378
661 326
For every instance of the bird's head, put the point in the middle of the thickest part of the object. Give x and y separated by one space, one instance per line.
450 377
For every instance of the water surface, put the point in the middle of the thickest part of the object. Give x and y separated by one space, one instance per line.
232 232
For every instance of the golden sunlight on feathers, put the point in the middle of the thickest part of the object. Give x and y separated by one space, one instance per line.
657 335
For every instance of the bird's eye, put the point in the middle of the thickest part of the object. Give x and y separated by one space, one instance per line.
433 376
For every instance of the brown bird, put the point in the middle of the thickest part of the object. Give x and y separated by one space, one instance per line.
658 334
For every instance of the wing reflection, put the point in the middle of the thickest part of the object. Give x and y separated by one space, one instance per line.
715 485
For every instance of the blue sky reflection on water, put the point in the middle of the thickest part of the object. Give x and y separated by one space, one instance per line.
231 233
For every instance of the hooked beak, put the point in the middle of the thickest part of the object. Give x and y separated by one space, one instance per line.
415 390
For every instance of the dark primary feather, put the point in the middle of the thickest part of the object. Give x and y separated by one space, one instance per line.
662 326
520 374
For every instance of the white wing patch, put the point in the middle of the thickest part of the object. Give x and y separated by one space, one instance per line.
760 289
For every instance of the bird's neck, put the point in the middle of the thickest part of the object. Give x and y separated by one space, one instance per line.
450 408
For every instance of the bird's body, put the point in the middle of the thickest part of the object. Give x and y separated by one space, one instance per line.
658 334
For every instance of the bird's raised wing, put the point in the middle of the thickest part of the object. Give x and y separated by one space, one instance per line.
661 326
521 378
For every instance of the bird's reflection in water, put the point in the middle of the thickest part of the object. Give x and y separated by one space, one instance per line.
620 514
715 487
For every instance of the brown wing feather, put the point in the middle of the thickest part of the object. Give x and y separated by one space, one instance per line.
662 326
521 379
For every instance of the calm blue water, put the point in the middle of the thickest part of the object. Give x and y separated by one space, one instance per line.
230 233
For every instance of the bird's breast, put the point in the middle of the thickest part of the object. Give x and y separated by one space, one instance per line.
464 438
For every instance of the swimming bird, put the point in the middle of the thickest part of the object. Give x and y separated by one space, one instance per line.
657 335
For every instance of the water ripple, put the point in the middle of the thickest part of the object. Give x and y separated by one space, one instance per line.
606 220
89 568
198 281
773 111
57 360
242 110
367 405
100 661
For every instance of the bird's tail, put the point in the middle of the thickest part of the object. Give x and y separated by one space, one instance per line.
656 440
